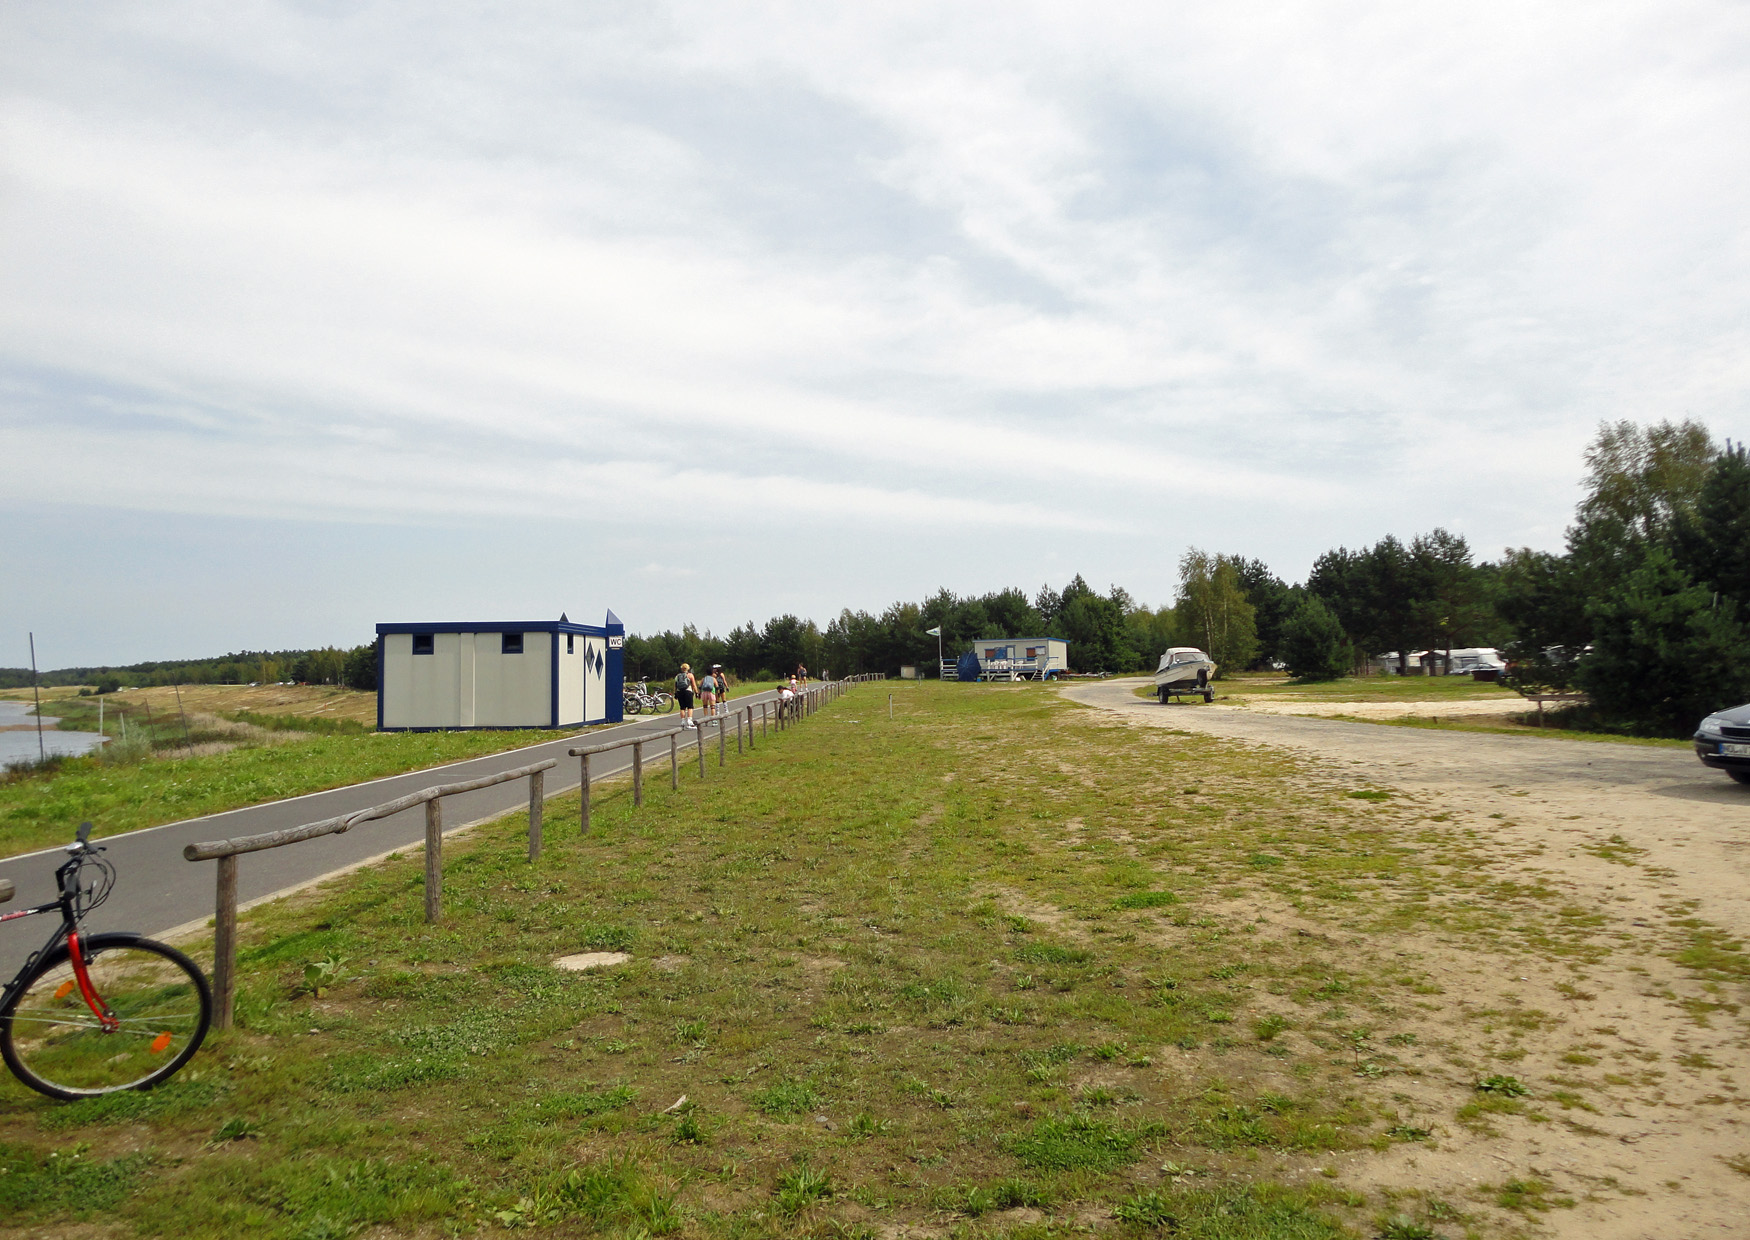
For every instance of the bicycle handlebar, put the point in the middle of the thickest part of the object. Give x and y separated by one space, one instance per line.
78 852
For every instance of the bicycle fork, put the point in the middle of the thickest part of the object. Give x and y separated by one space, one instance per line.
87 991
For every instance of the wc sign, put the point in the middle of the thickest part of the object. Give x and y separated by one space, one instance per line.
616 643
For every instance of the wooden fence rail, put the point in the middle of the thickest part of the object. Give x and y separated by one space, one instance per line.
225 852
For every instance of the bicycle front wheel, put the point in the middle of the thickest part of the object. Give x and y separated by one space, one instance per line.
664 703
55 1043
632 706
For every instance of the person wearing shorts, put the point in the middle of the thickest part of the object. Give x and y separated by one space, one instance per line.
722 679
709 685
684 684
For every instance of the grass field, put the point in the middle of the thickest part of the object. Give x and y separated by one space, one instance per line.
249 745
1364 689
991 968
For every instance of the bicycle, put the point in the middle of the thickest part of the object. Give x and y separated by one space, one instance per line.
640 699
97 1014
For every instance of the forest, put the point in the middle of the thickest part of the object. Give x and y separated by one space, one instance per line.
1644 609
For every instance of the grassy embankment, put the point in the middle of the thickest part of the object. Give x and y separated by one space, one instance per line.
242 746
993 965
1516 716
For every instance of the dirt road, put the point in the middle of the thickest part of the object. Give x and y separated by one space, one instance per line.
1655 850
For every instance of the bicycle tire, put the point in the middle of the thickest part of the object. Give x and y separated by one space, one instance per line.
631 706
664 703
55 1044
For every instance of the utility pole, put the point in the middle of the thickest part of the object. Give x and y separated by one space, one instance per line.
41 753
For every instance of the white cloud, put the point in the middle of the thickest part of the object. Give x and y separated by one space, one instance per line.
1264 279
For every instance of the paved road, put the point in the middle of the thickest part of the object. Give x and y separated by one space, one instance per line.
157 890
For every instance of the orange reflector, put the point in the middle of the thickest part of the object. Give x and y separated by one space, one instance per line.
160 1042
66 989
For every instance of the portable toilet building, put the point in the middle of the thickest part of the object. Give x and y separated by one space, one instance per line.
499 674
1021 658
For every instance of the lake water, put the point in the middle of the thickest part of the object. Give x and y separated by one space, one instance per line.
16 745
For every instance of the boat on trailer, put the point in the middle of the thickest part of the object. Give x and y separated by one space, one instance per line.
1185 671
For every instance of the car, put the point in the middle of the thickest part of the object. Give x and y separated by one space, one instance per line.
1723 742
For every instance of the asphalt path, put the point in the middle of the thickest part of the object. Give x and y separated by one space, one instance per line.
156 891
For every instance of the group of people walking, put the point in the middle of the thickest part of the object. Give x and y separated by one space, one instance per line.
712 692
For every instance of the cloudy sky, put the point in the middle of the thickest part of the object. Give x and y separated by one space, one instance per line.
314 315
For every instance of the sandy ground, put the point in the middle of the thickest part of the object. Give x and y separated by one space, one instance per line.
1289 704
306 700
1661 1056
311 700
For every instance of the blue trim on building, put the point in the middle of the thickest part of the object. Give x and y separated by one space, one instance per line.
553 692
500 626
615 632
379 680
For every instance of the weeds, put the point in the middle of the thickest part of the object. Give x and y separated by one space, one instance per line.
787 1097
801 1188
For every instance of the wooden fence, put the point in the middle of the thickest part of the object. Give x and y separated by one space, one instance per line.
774 714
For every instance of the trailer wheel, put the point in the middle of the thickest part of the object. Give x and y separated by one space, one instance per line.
1208 696
1742 777
1163 692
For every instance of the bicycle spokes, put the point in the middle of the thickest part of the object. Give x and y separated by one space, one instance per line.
144 1010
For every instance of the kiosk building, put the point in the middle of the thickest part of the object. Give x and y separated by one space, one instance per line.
499 674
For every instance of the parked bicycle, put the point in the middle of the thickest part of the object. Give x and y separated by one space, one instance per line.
100 1013
641 701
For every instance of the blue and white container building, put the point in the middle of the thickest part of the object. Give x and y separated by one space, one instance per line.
499 674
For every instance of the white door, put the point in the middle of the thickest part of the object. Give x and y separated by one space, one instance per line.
595 679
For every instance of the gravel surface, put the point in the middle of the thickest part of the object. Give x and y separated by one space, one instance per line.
1645 837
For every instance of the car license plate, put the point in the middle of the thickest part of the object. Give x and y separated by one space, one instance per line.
1729 749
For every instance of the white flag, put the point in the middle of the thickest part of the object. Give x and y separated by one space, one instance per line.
935 632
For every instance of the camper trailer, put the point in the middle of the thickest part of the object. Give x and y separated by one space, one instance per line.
1015 658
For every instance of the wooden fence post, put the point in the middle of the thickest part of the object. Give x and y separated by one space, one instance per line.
738 732
674 762
638 773
749 713
722 740
762 720
700 734
434 860
583 828
537 797
225 941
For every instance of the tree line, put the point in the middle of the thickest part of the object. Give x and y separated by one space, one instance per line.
327 665
1645 609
